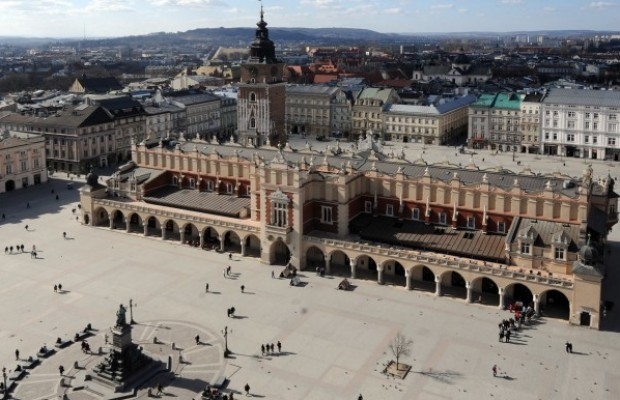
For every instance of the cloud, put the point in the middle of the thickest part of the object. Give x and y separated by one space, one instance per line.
442 6
394 10
602 5
187 3
549 9
510 2
109 5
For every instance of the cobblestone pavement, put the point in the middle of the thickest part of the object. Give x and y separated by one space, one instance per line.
334 342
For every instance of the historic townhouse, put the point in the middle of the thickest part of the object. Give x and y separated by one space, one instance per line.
76 138
491 236
309 109
367 110
429 124
22 160
581 123
200 115
494 122
530 123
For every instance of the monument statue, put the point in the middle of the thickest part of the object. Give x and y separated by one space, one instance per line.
120 316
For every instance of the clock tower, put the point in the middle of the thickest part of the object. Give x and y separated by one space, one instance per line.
262 91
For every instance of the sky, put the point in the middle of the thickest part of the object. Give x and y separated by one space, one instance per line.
113 18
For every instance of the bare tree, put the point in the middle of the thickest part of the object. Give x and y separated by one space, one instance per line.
400 346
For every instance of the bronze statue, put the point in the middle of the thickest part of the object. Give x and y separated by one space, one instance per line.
120 316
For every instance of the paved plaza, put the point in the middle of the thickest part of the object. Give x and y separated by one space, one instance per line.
334 343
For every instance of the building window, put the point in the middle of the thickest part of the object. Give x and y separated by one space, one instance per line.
326 215
559 253
611 141
586 139
192 183
175 181
279 209
525 248
252 97
368 207
229 188
471 222
443 218
253 123
570 137
415 214
209 186
389 210
501 227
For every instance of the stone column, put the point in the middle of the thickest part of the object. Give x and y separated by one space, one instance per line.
501 298
221 243
437 285
352 263
163 233
469 291
242 248
408 279
127 224
536 303
146 229
111 224
380 274
202 239
182 235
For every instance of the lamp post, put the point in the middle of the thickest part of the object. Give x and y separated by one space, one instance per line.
6 389
225 333
131 321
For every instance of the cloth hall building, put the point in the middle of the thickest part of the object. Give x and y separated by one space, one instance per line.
491 236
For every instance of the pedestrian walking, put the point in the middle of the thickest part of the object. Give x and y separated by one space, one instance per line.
569 347
61 369
262 349
160 389
56 197
230 256
64 235
271 347
3 216
106 338
224 272
501 335
242 288
273 275
55 288
27 205
26 227
279 347
207 288
60 287
247 389
360 397
197 339
16 354
34 248
11 249
6 249
508 336
228 270
494 370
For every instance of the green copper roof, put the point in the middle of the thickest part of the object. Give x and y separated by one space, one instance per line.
506 101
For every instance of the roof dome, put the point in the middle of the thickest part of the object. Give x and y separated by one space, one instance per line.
588 254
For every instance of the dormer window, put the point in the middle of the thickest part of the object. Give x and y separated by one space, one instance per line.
526 249
229 188
443 218
209 186
192 183
175 181
415 214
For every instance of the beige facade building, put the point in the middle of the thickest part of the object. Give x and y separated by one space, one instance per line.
429 124
495 122
530 123
309 110
367 110
22 160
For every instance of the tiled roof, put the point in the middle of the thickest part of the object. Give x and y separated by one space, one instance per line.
310 90
548 229
195 200
74 117
585 97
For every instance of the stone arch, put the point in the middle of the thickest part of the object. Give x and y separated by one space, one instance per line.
135 223
394 272
211 239
422 278
171 230
365 267
279 253
554 304
101 217
339 263
518 292
485 291
118 220
252 245
190 235
232 242
153 226
453 284
315 258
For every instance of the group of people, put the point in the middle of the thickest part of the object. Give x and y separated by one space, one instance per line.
267 349
58 288
9 249
505 329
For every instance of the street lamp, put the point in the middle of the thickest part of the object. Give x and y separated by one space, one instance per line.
225 333
131 321
6 389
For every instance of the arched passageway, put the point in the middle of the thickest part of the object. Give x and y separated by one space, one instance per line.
190 235
211 239
252 246
339 264
453 285
171 231
101 217
518 295
232 242
485 291
315 258
135 224
366 268
279 253
153 227
394 273
118 220
554 304
422 278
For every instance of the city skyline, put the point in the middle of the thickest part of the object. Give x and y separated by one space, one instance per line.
114 18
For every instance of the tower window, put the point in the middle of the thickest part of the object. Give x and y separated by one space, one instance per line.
252 97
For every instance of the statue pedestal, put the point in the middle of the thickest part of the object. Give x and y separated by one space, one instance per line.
121 338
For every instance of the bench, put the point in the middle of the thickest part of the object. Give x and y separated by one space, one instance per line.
30 363
16 375
45 352
63 343
81 336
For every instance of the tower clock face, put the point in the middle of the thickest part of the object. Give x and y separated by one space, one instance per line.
274 71
253 71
